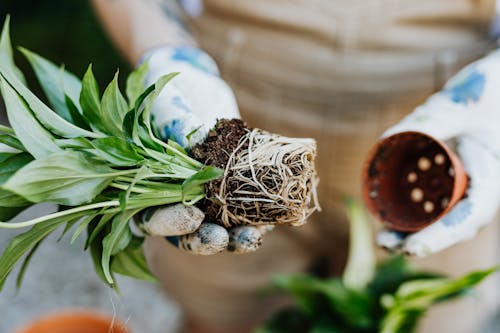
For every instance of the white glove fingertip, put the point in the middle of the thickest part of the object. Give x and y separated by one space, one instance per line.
244 239
173 220
460 224
209 239
390 239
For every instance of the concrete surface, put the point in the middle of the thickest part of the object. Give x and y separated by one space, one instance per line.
61 276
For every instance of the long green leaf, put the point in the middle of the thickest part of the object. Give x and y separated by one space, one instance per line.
38 141
360 267
11 164
96 253
11 141
117 151
56 82
50 120
6 54
22 243
203 176
90 101
7 213
113 108
131 262
136 82
67 178
414 297
118 238
94 230
11 200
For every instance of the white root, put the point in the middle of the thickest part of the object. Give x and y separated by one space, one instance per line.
269 179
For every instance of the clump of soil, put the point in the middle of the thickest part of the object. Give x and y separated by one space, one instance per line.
221 141
268 178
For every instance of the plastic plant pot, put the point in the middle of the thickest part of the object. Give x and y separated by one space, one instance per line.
79 321
410 180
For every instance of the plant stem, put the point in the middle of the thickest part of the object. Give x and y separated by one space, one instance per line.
58 214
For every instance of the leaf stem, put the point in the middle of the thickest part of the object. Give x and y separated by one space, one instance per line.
66 212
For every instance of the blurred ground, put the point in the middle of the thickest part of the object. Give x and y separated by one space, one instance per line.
61 276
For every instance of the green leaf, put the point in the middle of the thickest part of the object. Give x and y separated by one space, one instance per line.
177 146
96 253
56 82
113 108
50 120
32 135
76 114
137 122
117 239
67 178
83 225
67 227
360 267
203 176
11 200
304 289
90 101
136 82
11 164
75 143
7 213
392 272
353 306
6 54
11 141
11 204
22 243
95 230
116 151
289 320
413 298
131 262
26 261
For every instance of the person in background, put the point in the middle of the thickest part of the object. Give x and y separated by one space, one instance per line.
342 72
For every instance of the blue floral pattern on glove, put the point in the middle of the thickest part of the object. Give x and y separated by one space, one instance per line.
466 87
458 214
196 58
175 131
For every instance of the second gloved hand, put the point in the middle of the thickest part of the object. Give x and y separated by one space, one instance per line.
466 110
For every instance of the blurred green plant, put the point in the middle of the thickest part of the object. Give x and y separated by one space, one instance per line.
389 297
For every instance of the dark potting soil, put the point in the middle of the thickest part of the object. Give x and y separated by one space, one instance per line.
221 141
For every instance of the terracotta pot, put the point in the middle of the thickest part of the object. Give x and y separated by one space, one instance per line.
410 180
75 322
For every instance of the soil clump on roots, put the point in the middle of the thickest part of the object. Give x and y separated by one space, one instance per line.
268 178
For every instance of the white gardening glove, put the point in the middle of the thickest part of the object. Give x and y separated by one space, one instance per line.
192 103
468 110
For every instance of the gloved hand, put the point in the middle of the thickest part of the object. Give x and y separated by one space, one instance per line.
185 111
468 110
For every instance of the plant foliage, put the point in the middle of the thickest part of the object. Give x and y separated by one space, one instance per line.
95 155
